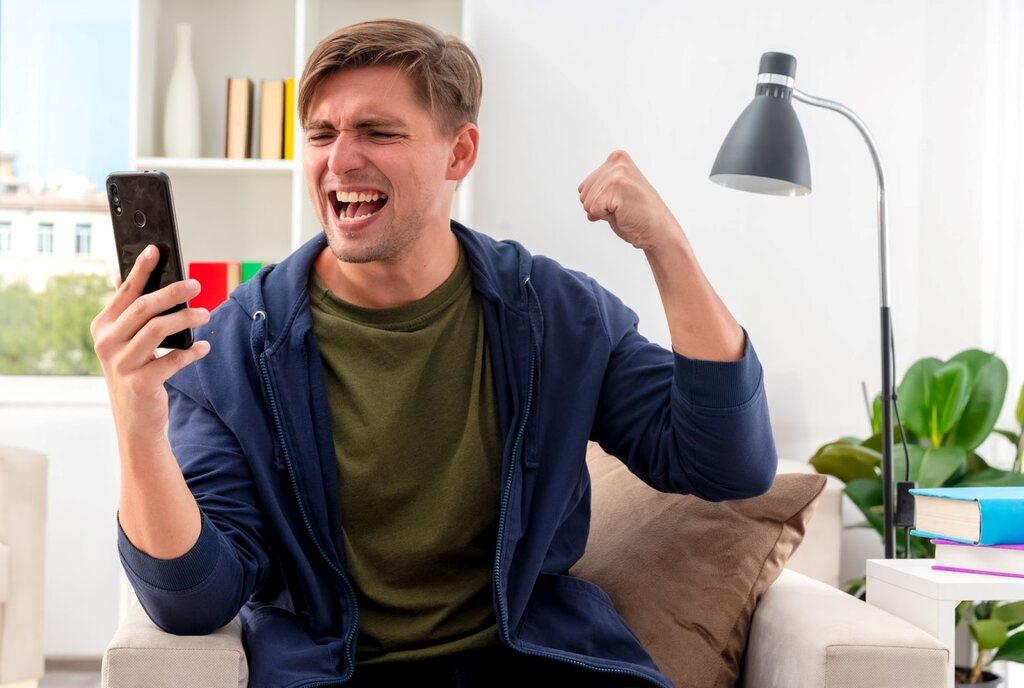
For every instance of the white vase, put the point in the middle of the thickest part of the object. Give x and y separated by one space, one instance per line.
181 106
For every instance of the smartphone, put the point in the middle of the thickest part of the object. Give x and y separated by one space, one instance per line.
142 212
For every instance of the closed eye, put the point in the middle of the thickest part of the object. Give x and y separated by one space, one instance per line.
373 134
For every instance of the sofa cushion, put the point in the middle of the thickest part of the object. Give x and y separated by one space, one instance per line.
686 574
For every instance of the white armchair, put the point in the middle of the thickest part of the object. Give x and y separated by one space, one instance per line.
22 538
805 633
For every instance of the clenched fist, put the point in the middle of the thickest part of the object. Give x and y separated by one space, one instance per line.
617 192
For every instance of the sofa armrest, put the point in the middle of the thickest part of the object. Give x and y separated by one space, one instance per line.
142 656
806 634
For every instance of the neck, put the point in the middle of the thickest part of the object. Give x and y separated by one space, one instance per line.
392 284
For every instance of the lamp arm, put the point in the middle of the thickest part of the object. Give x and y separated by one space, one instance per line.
886 324
883 237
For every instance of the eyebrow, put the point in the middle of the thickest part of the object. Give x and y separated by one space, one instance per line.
365 123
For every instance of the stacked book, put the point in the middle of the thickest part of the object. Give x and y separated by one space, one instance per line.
974 529
276 120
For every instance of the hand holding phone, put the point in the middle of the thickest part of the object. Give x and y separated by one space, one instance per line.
149 309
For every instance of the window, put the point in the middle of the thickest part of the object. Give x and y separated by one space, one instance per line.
83 239
44 238
63 128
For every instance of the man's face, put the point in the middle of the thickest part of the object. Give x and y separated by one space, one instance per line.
368 134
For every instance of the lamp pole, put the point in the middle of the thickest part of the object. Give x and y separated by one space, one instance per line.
889 536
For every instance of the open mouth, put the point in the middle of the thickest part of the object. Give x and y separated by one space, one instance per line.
354 206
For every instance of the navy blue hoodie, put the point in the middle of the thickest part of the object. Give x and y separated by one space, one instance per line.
250 427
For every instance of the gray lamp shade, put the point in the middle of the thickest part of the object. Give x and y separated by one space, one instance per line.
765 151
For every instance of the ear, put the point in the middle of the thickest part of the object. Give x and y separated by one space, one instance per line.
463 151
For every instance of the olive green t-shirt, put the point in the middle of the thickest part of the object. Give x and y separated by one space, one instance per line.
418 444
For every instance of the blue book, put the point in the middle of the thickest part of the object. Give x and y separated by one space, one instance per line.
975 515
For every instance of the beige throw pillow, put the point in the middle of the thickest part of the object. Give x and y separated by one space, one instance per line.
686 574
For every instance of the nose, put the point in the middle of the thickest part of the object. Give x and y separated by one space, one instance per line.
345 155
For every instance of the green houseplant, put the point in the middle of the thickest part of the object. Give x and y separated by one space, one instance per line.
990 624
945 410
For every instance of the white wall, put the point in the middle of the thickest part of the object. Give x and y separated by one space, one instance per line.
566 83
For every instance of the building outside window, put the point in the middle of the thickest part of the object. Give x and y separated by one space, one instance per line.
57 258
44 237
83 238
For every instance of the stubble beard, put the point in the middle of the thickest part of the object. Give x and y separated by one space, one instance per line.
394 239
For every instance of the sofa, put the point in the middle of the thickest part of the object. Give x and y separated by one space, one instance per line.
22 538
804 633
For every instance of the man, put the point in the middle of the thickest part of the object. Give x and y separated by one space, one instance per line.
376 448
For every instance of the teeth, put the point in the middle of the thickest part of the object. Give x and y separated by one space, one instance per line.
353 219
353 197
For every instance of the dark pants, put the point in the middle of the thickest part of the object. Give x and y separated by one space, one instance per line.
488 668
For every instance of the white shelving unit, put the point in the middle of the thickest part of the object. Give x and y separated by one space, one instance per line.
242 209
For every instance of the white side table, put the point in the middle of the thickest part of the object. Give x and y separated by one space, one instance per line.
913 591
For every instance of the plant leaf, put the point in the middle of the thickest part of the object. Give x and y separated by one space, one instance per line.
988 381
1010 435
939 465
1020 409
921 548
964 610
975 463
1011 612
866 494
855 585
1012 650
842 440
951 390
875 441
846 461
899 461
988 633
915 396
991 476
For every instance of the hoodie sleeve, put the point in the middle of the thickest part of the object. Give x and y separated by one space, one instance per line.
203 589
683 425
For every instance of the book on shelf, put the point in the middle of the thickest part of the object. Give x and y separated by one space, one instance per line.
238 125
217 278
248 269
271 120
289 119
975 515
992 560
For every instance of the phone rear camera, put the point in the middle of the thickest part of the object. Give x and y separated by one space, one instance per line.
113 188
116 199
117 210
140 219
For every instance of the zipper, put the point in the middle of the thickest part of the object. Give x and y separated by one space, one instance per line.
502 608
268 385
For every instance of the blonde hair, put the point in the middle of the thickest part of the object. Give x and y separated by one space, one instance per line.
444 72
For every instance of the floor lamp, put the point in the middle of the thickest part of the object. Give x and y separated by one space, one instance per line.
765 152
